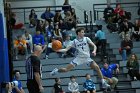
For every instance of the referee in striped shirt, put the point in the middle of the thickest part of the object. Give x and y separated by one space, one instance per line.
33 70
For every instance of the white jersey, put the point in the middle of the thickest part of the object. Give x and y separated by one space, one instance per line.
82 46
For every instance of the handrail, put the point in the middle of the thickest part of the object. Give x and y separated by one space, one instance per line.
39 7
95 8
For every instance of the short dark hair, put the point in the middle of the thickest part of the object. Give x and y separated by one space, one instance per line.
15 71
72 77
57 79
99 27
79 29
87 74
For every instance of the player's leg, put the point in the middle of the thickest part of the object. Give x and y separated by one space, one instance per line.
93 65
61 70
70 66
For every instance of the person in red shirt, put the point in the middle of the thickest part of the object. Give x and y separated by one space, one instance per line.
119 12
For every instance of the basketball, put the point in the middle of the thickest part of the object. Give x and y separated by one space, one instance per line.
56 45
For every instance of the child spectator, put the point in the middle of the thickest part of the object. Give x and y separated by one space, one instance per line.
19 88
89 86
28 38
133 67
67 43
73 86
107 72
57 88
20 46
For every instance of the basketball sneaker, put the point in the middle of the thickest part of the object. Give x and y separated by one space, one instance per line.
54 72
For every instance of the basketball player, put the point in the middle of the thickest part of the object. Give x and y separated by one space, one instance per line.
81 43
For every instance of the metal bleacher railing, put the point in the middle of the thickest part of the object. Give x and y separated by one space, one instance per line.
132 7
23 12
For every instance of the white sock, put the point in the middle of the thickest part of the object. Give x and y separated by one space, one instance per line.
103 80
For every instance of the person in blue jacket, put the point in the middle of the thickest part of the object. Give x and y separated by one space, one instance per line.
47 15
89 85
107 72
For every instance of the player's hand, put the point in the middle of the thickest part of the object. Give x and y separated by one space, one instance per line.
117 71
94 53
41 89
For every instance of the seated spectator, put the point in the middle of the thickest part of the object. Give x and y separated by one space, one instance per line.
89 85
73 14
125 28
48 31
108 13
119 12
126 46
67 43
32 18
57 16
69 20
57 88
136 32
133 67
38 39
57 33
28 37
19 88
107 72
50 50
40 26
20 46
73 86
101 40
62 25
47 15
14 22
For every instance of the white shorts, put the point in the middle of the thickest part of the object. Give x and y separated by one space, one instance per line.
79 61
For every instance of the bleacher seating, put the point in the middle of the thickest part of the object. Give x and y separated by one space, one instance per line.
124 86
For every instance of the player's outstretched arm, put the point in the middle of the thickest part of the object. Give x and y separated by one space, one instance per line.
63 50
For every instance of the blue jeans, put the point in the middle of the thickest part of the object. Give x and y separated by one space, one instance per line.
124 55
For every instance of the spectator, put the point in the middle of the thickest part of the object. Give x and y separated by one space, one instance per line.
133 67
89 86
57 33
19 88
73 86
14 22
108 13
38 39
67 43
136 32
57 16
119 12
28 37
47 15
69 20
125 28
20 46
57 88
107 72
48 30
50 50
126 46
101 40
40 26
33 18
34 73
